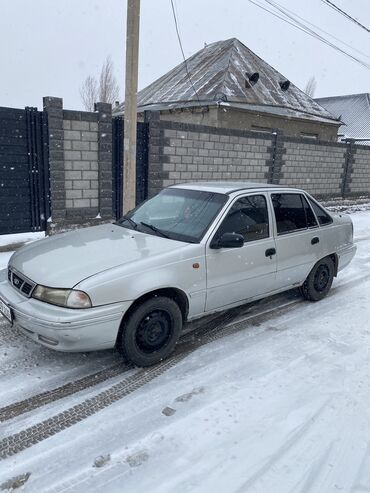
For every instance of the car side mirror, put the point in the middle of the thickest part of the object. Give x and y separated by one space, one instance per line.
228 240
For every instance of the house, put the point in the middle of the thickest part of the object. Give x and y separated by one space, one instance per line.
354 111
226 85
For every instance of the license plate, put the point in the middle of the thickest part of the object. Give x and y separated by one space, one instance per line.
6 311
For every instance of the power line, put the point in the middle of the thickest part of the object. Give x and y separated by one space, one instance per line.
182 50
302 27
342 12
313 33
326 32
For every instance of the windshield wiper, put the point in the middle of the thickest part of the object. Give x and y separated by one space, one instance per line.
131 221
155 229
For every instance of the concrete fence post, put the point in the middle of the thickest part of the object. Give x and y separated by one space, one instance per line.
349 159
53 109
105 149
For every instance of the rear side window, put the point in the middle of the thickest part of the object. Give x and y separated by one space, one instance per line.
292 212
322 216
310 216
248 217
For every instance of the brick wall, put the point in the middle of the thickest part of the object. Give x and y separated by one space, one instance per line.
317 167
360 175
80 162
181 152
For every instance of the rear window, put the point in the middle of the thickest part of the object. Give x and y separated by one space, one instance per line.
322 216
292 212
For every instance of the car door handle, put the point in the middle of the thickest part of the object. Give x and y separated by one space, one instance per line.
270 252
315 240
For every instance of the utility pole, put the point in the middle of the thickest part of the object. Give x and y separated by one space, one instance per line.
130 119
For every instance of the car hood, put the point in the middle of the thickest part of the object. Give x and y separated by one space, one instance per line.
66 259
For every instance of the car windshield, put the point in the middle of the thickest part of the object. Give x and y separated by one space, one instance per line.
176 213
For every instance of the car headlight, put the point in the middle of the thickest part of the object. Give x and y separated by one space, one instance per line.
69 298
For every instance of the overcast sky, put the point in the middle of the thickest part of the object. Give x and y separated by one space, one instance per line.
48 47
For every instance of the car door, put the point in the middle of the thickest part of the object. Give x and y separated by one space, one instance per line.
237 274
297 238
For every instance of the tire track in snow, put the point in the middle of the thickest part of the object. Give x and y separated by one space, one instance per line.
30 436
39 400
293 438
36 433
21 407
49 427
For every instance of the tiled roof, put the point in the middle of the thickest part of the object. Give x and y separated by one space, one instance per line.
353 110
218 73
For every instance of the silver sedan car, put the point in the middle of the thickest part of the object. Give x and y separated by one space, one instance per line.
191 250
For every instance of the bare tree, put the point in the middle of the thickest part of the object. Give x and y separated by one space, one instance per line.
108 86
310 88
105 89
89 93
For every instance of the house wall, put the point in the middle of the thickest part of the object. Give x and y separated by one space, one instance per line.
208 116
245 120
223 117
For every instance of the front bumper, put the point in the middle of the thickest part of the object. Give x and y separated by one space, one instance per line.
64 329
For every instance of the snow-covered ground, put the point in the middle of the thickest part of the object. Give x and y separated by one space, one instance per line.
13 240
20 238
279 406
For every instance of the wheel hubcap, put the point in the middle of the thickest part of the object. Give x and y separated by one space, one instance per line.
154 331
322 277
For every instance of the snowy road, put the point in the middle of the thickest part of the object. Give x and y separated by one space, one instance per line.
280 403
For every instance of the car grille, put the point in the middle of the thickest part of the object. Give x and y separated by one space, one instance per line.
21 283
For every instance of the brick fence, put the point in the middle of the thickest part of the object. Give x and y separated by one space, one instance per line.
69 163
80 163
181 152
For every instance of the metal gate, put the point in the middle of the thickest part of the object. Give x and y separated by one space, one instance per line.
24 177
141 164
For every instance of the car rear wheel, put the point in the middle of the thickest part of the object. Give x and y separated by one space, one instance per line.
319 280
151 331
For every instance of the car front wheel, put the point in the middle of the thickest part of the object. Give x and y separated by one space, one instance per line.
151 331
319 280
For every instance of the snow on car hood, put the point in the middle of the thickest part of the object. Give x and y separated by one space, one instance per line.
66 259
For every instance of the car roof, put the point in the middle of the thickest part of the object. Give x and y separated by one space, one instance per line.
227 187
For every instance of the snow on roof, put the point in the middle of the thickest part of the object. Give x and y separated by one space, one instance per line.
226 187
353 110
218 73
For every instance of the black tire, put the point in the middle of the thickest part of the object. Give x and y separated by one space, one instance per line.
319 280
151 331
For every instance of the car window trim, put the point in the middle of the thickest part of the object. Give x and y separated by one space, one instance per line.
284 233
303 197
230 204
309 199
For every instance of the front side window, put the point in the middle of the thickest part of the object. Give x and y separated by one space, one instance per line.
292 212
248 216
322 216
175 213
